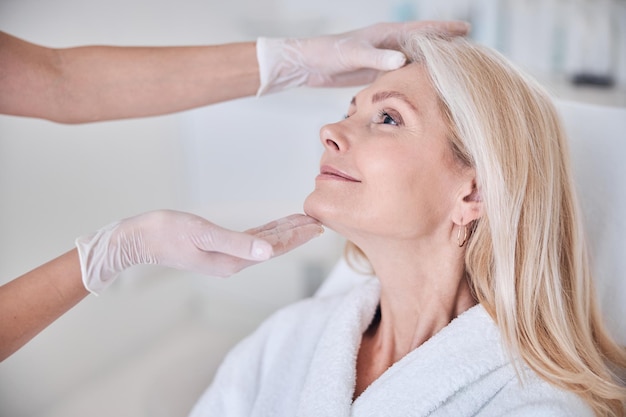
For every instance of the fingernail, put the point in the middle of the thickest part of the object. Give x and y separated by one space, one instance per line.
464 27
261 250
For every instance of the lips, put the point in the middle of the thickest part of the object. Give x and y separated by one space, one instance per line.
329 172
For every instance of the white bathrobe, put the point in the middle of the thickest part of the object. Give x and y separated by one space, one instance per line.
301 362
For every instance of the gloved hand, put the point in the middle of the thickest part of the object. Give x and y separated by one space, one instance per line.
187 242
347 59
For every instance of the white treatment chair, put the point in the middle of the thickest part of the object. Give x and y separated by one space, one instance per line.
597 138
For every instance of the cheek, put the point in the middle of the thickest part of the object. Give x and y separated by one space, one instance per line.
394 179
403 194
411 199
397 202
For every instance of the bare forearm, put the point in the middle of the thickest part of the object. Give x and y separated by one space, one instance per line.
31 302
94 83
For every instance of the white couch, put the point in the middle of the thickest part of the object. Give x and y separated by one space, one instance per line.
598 146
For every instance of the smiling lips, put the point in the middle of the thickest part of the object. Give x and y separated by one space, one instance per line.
329 173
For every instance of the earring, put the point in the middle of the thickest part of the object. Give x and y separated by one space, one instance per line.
458 236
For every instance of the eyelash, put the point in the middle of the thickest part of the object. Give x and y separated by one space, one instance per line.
382 115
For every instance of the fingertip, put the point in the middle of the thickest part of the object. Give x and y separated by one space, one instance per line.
305 234
459 27
301 219
392 60
312 232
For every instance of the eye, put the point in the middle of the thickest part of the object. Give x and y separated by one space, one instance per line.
389 118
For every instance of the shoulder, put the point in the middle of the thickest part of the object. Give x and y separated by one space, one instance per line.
298 325
530 395
269 361
309 312
314 313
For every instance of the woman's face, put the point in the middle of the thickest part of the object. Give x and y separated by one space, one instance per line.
387 169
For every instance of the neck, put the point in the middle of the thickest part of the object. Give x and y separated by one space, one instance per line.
421 293
410 315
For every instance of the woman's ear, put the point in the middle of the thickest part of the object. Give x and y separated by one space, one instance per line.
469 204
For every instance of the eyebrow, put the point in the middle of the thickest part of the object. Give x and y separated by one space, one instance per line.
384 95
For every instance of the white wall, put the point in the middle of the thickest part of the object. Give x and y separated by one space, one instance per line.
58 182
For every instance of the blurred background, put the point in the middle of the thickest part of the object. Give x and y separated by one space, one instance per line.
149 345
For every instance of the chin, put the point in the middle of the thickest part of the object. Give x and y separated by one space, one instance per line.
329 215
315 207
311 208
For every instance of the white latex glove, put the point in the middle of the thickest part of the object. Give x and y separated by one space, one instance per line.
187 242
347 59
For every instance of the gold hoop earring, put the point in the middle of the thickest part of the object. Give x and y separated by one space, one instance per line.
458 236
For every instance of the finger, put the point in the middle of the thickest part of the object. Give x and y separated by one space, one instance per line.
379 59
457 27
294 238
449 27
292 220
241 245
285 239
217 264
394 35
282 235
347 79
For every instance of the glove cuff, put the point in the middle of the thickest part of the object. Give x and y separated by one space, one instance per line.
97 265
279 65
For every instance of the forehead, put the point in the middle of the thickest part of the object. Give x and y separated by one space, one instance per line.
411 80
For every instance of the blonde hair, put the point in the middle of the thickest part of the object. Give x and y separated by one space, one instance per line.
526 259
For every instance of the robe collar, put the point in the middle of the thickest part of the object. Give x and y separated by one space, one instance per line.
457 357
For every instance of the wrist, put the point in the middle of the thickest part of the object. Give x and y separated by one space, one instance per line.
100 260
279 65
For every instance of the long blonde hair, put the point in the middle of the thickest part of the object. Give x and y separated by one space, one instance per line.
526 260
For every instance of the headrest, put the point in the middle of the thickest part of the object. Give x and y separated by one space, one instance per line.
597 138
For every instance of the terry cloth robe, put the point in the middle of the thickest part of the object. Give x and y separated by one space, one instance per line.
301 362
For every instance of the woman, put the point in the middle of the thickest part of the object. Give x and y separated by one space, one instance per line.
450 176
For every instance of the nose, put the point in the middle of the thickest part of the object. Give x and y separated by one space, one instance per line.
333 139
